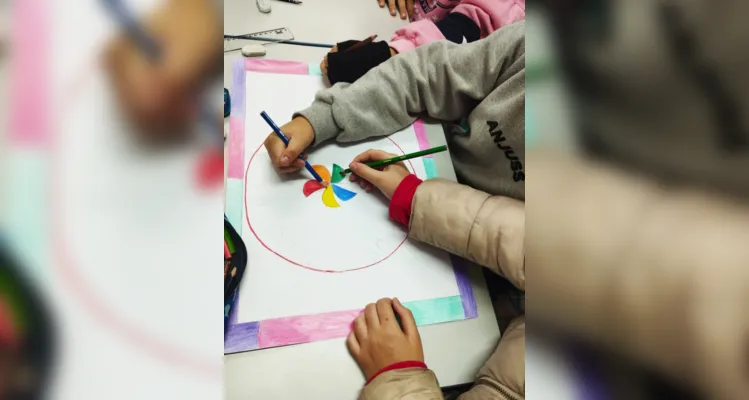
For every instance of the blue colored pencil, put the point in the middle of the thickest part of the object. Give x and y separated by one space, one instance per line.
286 141
126 20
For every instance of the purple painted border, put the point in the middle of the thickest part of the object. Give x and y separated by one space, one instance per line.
591 384
239 97
464 287
241 337
235 152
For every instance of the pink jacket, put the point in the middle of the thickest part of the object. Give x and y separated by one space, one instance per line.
489 15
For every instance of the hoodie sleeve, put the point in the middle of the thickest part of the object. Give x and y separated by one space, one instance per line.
443 79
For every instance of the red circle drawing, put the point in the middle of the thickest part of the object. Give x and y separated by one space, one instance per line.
163 350
247 217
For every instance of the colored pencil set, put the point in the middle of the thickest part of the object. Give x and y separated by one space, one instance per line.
229 250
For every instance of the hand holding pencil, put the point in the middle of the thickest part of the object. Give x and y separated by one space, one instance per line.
386 180
159 97
285 158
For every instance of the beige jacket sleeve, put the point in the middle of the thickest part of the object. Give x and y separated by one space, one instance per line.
488 230
659 275
411 383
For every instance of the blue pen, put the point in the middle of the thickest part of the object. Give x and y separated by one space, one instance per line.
148 45
286 141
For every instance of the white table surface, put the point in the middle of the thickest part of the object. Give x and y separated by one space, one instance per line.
324 369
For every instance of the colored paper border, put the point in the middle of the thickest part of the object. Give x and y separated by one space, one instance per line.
421 136
430 168
234 192
464 287
29 114
235 152
308 328
314 69
276 66
311 328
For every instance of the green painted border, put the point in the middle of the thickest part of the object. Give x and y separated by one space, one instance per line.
430 167
234 195
435 311
314 69
27 204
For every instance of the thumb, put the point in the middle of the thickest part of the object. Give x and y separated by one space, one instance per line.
370 174
292 152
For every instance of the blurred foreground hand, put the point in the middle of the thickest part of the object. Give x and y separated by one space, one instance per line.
163 97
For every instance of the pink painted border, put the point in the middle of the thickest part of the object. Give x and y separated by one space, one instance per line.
276 66
30 114
421 136
305 328
235 152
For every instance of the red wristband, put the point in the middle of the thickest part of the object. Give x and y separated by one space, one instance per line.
398 365
400 204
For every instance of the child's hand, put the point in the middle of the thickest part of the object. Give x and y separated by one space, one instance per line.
355 64
163 96
324 62
377 341
406 7
285 158
386 180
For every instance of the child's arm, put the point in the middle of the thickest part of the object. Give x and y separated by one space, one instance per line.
472 224
443 79
488 230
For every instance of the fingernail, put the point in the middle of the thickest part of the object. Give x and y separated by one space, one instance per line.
284 160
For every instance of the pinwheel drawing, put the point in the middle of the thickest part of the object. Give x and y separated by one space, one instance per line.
332 191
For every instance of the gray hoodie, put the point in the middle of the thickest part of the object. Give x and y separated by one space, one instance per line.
483 81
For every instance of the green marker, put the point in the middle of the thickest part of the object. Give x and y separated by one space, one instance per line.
384 163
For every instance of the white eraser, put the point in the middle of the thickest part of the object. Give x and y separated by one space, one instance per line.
253 50
263 6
